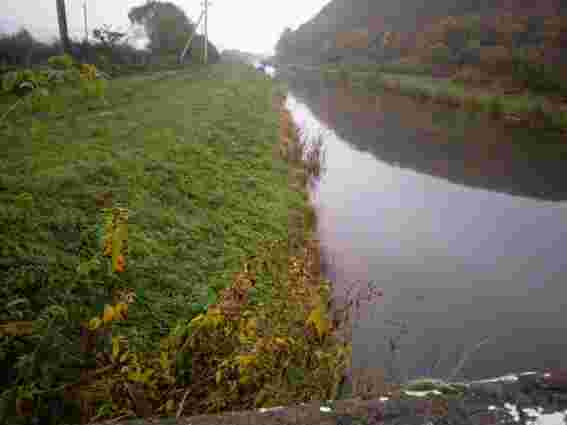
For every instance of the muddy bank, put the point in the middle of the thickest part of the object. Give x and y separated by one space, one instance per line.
528 398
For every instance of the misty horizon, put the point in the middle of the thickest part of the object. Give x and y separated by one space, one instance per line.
257 29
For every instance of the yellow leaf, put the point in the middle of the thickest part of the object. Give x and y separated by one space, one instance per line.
95 323
243 339
141 377
120 264
251 326
16 328
115 347
108 314
170 405
120 311
318 319
107 247
119 238
244 361
244 379
124 357
198 319
147 375
218 376
213 317
164 361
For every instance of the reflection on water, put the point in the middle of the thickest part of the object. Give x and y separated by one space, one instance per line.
464 239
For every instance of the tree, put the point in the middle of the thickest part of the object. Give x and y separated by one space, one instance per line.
284 42
18 48
63 31
108 37
166 25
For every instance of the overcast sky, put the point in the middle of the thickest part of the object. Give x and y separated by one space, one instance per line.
250 25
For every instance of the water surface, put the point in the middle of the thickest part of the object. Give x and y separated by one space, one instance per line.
459 219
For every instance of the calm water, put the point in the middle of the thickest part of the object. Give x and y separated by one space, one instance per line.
457 218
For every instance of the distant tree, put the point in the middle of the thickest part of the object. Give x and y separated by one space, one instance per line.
21 48
357 39
283 44
106 36
166 25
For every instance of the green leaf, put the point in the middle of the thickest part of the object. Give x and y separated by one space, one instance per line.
24 200
198 308
211 297
295 376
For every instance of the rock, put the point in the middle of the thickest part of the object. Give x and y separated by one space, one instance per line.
554 380
490 389
529 381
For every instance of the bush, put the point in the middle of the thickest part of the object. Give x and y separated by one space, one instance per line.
537 76
495 106
93 89
441 55
343 74
21 49
63 62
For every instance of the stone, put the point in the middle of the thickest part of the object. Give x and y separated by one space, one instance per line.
529 381
555 380
491 389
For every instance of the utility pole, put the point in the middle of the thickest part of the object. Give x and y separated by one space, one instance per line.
86 23
184 52
205 49
63 30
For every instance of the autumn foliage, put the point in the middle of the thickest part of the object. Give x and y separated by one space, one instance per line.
262 343
359 39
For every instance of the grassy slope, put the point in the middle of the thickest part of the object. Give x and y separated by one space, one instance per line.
190 154
418 83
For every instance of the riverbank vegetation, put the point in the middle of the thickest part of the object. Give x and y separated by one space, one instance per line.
153 236
508 64
527 109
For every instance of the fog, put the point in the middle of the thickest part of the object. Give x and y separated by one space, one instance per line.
249 25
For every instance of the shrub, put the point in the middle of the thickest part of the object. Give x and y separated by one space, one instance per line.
63 62
93 89
22 82
537 76
441 55
495 106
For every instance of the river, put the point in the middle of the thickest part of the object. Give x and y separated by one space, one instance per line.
457 218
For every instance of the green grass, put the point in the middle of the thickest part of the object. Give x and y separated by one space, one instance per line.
419 86
189 153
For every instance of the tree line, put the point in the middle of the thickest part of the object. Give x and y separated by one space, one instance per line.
166 26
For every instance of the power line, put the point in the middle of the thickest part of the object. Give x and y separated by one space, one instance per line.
204 14
188 44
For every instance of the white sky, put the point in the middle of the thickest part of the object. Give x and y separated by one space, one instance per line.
249 25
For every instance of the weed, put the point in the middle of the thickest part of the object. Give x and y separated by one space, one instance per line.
495 107
185 173
343 74
94 89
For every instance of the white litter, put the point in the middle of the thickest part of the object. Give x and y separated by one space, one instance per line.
422 393
270 409
506 378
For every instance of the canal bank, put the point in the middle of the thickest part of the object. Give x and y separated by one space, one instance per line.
527 398
454 217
